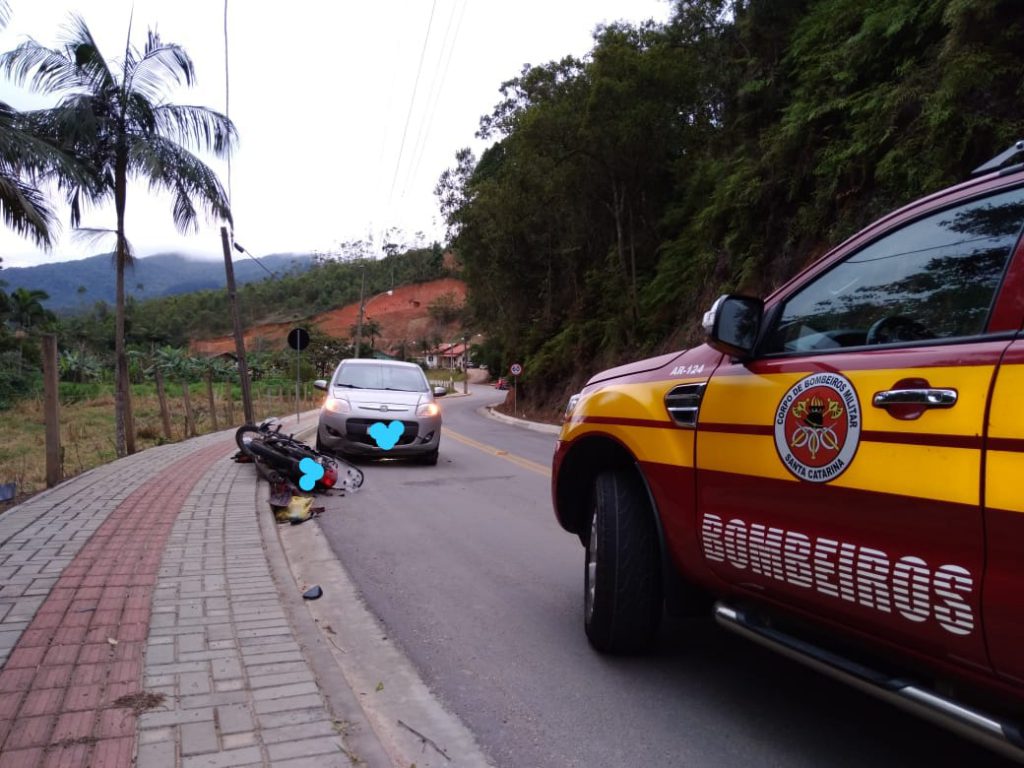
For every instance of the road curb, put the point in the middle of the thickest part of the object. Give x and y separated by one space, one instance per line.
536 426
365 747
375 674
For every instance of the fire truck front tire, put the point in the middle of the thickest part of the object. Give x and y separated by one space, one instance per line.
622 584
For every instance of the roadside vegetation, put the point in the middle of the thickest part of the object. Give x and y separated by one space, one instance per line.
722 151
87 423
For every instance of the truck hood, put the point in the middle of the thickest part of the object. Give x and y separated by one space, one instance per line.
640 366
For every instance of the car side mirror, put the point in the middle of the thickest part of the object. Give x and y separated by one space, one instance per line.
320 384
732 324
440 391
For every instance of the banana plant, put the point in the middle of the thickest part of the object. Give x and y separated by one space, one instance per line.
182 367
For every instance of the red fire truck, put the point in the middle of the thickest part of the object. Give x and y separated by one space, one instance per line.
837 472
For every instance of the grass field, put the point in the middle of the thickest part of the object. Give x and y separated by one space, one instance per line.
87 426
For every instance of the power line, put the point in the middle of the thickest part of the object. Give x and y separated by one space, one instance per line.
412 101
262 266
432 110
434 79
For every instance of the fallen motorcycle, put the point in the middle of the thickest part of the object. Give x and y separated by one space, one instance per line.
287 459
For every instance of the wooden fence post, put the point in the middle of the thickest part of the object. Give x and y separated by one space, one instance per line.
213 402
229 410
190 422
51 407
161 396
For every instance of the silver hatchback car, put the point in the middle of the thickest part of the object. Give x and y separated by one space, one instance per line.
382 408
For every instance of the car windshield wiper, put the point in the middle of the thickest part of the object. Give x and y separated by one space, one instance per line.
350 386
399 389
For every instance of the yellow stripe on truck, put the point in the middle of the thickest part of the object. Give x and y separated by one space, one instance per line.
882 463
751 399
938 472
918 466
1005 470
662 442
664 446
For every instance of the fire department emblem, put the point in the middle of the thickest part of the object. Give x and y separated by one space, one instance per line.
817 427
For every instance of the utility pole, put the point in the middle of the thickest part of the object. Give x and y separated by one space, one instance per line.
243 367
362 306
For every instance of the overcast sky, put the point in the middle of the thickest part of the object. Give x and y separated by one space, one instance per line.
333 145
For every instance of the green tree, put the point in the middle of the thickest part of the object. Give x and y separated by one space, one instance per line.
117 117
445 309
371 330
325 352
26 308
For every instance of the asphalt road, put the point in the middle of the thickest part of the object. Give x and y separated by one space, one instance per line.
468 570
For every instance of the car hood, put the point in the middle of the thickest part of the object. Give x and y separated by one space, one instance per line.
374 402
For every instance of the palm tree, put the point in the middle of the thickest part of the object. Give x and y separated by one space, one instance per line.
26 312
26 308
116 117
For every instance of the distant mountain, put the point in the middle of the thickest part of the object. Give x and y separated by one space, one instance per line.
164 274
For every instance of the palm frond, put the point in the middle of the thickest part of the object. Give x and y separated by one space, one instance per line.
28 142
42 69
94 237
98 235
83 51
25 209
197 126
78 66
169 166
161 65
80 198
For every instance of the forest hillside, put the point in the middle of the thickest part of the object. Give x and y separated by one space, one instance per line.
721 151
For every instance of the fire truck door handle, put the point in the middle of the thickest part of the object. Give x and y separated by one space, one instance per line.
925 398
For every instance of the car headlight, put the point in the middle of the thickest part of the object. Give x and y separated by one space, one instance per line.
337 404
428 409
571 406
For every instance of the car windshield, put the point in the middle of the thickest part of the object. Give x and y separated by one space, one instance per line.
393 377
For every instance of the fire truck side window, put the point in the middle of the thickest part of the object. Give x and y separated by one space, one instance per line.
935 278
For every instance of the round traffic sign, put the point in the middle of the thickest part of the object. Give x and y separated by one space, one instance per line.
298 338
515 369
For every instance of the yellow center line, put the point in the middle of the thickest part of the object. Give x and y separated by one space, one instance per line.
519 461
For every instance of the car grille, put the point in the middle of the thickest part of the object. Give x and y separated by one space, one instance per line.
357 431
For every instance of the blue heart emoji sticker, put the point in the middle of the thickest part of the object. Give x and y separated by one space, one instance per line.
386 436
311 472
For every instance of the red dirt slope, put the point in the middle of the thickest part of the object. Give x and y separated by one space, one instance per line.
403 315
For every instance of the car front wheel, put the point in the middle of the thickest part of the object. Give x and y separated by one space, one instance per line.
622 583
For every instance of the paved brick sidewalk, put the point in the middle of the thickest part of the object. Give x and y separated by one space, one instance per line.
139 621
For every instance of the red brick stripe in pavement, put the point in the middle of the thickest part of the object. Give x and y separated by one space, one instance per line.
59 686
